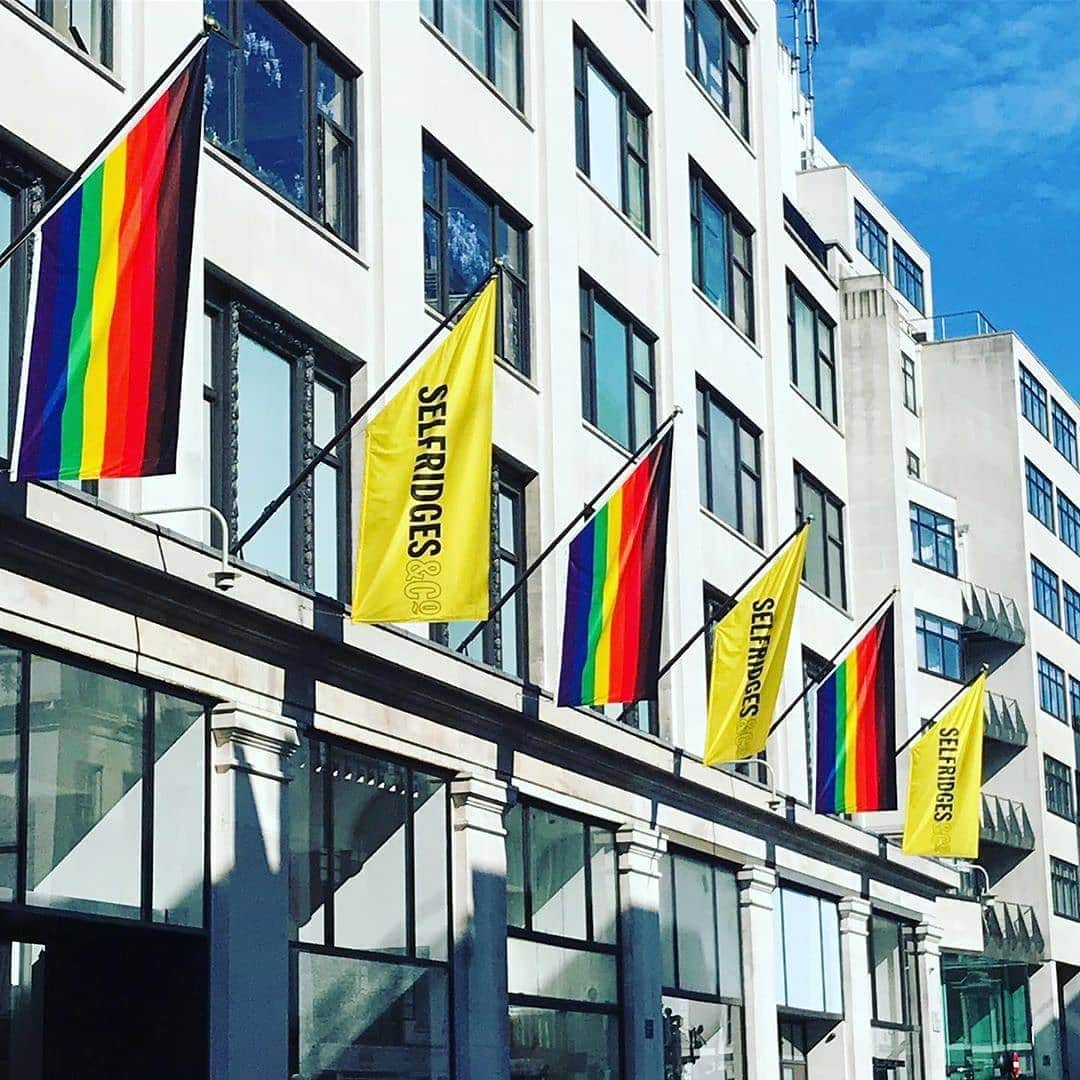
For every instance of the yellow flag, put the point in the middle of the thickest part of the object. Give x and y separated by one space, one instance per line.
943 804
425 519
749 649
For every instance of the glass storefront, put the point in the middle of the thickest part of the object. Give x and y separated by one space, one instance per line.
894 999
807 952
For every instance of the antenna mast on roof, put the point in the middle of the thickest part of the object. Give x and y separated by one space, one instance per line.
805 33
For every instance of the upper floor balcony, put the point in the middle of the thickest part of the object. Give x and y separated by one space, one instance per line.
1011 932
955 324
1003 721
990 616
1005 824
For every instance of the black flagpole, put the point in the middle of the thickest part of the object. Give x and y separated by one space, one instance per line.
584 514
983 669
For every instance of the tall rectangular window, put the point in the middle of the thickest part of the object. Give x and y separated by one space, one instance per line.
283 104
612 127
810 336
369 914
808 952
562 955
282 397
933 539
1051 688
700 969
914 466
729 463
503 643
467 227
721 243
1068 522
911 389
1071 603
871 238
824 568
8 353
1074 702
488 34
1059 792
1065 887
938 645
1044 589
1033 401
1064 434
1040 495
716 52
617 374
86 24
908 276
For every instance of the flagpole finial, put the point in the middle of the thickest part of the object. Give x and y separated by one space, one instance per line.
677 411
984 668
211 24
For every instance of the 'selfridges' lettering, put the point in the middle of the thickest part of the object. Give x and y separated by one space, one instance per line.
945 794
429 474
760 639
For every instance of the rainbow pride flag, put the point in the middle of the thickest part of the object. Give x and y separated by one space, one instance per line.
615 591
100 390
856 728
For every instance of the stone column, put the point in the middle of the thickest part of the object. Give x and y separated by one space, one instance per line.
639 850
481 1023
855 979
756 889
249 894
928 937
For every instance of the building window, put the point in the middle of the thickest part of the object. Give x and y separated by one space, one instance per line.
810 334
1074 701
1059 794
466 227
808 944
1064 433
894 1002
369 912
721 244
938 644
933 540
488 34
617 374
612 126
914 466
86 24
1051 688
272 400
1065 886
716 57
1033 400
1040 495
700 969
908 276
871 239
729 463
1044 588
562 956
503 643
911 392
104 786
824 568
1071 600
288 118
1068 522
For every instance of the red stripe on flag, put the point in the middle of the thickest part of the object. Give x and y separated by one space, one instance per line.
866 731
626 659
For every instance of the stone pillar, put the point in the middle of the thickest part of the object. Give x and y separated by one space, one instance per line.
639 851
756 888
1046 1024
931 1019
481 1022
855 979
249 894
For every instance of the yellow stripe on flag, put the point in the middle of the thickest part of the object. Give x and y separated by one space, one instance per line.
425 516
851 730
611 591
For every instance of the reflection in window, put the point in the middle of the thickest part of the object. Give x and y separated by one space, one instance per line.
824 568
813 369
283 107
937 642
808 952
1064 434
908 276
716 56
871 239
911 391
86 24
1033 401
933 539
1051 688
1040 495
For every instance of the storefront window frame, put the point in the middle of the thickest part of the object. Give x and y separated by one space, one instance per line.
909 990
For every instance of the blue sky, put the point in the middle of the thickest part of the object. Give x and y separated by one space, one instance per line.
964 117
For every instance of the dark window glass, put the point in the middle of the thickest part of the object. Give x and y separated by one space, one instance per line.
86 24
871 239
722 253
1065 886
488 34
612 127
911 390
729 463
281 105
1068 521
824 568
716 57
8 356
890 953
810 336
939 648
914 466
1071 601
1064 434
1033 400
1044 588
619 391
808 952
933 540
908 276
1074 701
466 227
1051 688
1040 495
1059 793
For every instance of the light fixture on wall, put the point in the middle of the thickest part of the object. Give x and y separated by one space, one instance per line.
225 577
